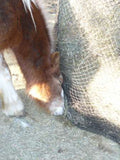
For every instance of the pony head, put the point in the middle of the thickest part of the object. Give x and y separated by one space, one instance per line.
49 92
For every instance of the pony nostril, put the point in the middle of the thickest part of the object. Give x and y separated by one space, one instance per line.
59 111
57 107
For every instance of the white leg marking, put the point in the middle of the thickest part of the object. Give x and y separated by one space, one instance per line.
12 104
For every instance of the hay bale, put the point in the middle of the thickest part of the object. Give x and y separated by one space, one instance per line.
88 40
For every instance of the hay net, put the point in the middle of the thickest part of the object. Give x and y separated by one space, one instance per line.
89 44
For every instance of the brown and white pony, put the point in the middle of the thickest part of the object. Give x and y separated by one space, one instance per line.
23 29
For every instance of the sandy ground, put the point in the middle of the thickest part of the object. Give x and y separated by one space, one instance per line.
40 136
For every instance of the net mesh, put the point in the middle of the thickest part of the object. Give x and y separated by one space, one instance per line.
89 43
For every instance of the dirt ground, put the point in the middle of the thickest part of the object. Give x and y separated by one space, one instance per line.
40 136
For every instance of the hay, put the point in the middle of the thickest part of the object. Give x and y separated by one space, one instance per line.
88 40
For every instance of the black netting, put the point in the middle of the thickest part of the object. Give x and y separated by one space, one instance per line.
89 43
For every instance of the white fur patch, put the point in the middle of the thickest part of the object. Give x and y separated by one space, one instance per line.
57 107
12 104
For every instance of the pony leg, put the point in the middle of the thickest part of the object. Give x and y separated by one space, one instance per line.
11 102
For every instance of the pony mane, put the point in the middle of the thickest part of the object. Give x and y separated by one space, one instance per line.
41 5
28 7
47 17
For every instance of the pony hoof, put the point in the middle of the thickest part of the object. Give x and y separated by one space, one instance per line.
14 109
9 112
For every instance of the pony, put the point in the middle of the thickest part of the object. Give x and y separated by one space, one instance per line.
23 29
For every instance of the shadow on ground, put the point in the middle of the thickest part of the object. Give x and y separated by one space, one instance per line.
40 136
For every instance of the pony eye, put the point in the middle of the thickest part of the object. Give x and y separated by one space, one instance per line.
60 81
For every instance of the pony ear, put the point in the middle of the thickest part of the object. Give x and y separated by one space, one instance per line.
55 64
55 59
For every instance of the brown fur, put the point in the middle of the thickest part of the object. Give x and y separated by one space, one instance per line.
31 47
